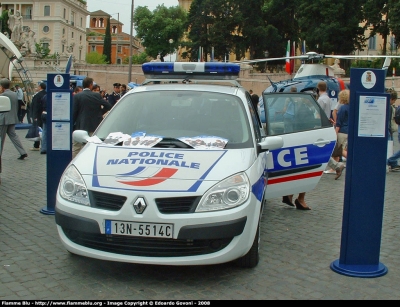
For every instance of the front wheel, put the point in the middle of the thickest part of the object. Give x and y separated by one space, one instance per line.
250 260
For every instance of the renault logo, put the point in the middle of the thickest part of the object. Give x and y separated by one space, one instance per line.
139 205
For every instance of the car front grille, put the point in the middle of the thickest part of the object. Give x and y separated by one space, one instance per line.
176 205
173 205
106 201
146 247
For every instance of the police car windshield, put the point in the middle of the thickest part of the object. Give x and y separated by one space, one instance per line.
174 114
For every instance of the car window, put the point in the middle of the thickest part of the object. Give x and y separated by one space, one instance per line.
176 114
290 112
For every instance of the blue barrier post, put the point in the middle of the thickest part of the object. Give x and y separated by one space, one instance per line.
59 132
365 176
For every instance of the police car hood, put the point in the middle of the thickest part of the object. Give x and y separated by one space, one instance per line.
158 168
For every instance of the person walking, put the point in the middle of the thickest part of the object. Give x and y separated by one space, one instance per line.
88 110
37 110
9 119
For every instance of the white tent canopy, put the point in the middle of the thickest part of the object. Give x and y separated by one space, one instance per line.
10 59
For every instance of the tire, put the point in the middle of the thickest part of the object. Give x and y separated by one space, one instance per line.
250 260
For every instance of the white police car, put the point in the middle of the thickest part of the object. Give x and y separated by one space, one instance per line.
177 172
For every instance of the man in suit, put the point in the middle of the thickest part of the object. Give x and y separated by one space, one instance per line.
37 110
9 119
88 110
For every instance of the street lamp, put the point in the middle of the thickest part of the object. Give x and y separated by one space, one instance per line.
171 41
130 45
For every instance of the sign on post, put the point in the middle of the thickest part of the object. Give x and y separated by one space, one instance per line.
59 132
365 175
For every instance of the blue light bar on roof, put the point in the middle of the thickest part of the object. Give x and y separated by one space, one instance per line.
190 68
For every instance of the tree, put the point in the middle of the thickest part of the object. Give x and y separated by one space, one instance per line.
95 58
137 58
156 28
214 24
331 26
394 21
107 43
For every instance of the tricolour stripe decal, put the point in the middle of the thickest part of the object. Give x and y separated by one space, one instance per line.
295 177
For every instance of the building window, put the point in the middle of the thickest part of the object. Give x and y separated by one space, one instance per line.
392 44
72 34
45 45
372 43
46 29
119 49
63 48
65 14
80 38
47 10
114 29
63 31
81 22
93 48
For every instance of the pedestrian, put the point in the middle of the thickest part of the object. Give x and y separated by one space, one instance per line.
392 161
9 119
96 88
115 95
342 122
21 104
88 110
77 90
37 110
323 99
299 203
28 106
43 147
123 89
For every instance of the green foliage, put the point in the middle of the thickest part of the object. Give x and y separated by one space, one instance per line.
156 28
95 58
107 43
95 34
137 58
42 52
331 26
4 23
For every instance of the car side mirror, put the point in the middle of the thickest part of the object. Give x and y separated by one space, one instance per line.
270 143
5 104
80 136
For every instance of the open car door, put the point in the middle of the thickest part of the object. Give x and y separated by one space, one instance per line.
308 141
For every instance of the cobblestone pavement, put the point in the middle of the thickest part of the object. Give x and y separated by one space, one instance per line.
297 248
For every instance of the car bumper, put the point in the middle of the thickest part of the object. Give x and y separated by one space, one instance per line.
199 239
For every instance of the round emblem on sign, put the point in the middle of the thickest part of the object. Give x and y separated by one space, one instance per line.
58 80
368 79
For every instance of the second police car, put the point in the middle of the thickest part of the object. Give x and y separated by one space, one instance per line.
179 171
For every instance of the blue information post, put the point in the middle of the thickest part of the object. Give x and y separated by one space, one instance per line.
59 132
365 176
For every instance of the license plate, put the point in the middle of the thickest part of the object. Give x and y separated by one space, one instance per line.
139 229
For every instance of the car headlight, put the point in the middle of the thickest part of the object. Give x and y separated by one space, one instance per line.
73 188
227 194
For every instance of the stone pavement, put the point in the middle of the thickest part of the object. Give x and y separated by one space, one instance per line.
297 248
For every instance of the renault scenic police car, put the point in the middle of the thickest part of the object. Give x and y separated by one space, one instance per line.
179 171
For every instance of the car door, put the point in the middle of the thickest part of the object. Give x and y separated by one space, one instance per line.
309 139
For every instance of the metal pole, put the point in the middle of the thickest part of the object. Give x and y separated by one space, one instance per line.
130 45
116 49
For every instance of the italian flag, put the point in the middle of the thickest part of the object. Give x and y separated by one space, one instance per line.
287 66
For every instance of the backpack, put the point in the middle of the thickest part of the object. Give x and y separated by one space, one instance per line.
397 115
